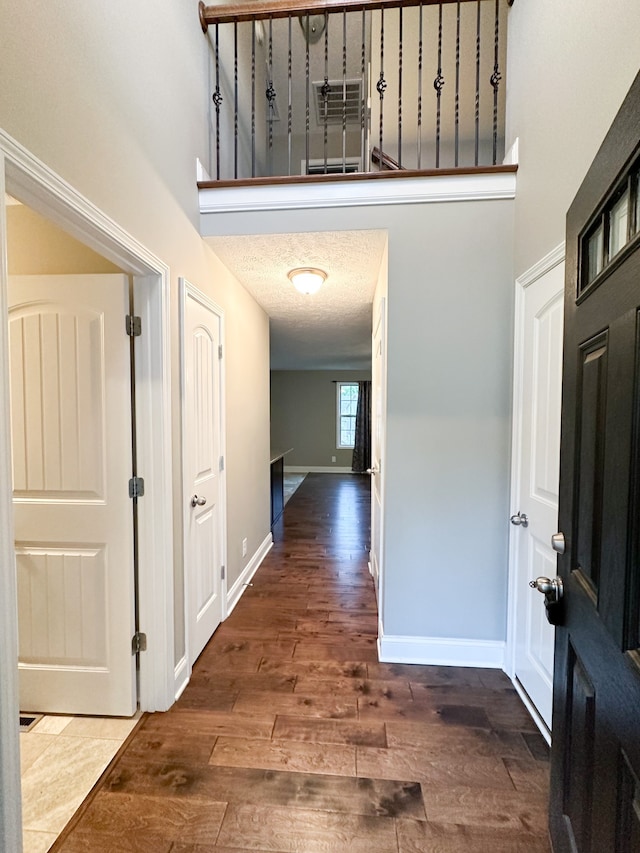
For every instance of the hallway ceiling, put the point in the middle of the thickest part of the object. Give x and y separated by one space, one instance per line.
329 330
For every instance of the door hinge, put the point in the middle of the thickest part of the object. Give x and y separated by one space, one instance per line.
222 463
134 325
136 487
138 643
220 351
222 572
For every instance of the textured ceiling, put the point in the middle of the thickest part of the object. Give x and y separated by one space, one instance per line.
330 329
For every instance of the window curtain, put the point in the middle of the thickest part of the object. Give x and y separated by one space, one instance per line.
362 444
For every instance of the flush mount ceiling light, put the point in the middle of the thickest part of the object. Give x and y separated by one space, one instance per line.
306 279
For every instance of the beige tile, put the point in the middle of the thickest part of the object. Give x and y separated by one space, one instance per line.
37 842
52 725
32 745
59 780
110 728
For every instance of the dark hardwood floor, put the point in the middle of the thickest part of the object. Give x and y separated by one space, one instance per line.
292 737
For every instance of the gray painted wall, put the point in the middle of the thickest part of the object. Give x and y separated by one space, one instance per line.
570 64
303 416
449 356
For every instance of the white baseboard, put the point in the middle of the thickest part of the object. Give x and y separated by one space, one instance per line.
316 469
437 651
235 593
181 676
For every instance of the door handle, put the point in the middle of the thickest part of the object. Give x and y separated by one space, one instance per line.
557 543
553 592
520 519
373 470
196 501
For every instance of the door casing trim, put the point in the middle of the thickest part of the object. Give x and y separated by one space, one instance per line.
535 272
185 665
24 175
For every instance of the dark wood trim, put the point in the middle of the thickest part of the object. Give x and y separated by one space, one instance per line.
258 10
356 176
387 162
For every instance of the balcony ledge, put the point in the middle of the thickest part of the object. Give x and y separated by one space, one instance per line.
360 190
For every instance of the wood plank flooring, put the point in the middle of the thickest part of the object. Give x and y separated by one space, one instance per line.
293 738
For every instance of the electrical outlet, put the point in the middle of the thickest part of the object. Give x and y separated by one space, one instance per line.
244 547
333 458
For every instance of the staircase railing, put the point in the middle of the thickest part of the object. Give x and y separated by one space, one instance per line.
334 87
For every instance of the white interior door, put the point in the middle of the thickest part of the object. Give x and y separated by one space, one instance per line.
537 457
71 448
378 377
203 492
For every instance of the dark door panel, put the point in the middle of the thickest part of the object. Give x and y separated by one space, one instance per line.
595 788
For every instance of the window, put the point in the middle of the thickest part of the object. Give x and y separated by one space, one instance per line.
346 408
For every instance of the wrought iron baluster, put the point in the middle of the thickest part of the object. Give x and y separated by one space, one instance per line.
235 100
326 89
438 84
253 99
495 80
217 100
307 31
381 85
344 91
477 113
363 71
420 89
289 102
270 95
457 98
400 86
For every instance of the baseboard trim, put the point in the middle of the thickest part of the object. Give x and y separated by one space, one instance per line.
235 593
316 469
437 651
181 676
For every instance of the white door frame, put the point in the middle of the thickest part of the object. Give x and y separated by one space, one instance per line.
537 271
185 665
33 182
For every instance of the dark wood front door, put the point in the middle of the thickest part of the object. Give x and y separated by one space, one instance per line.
595 786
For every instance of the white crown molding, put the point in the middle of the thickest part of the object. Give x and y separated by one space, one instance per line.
365 193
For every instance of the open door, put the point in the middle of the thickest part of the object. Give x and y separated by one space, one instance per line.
595 784
378 388
72 459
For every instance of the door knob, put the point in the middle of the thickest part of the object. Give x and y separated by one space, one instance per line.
551 589
196 501
558 543
553 592
373 470
520 520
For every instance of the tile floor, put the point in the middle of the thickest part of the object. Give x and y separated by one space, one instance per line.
61 759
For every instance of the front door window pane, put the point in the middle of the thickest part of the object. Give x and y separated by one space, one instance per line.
619 224
595 256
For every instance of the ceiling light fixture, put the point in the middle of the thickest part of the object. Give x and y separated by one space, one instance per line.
307 279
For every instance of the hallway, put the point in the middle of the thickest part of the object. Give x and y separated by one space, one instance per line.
292 738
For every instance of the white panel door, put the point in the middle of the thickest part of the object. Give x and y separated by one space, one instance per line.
203 488
378 377
71 443
537 498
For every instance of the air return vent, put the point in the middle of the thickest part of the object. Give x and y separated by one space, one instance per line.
335 101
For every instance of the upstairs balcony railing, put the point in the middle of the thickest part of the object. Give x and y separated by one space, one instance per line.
337 87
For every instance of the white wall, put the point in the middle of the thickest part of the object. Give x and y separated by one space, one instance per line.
115 99
570 64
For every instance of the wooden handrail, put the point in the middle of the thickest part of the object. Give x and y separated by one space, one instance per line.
385 161
260 10
289 180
